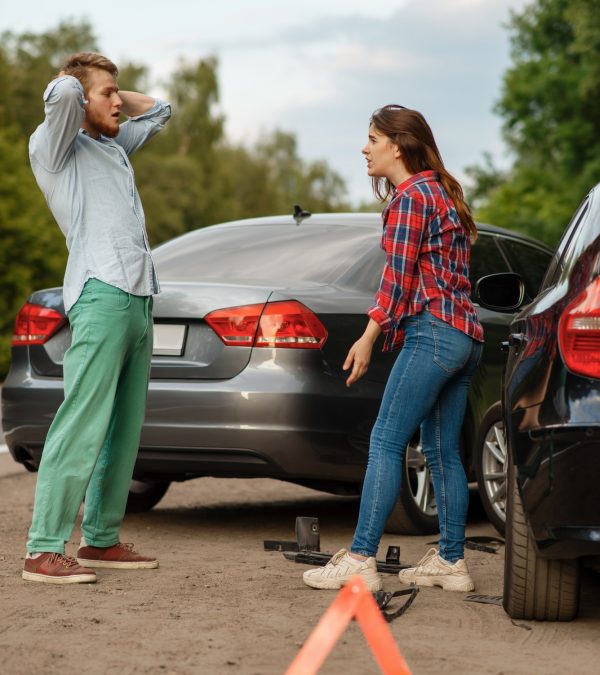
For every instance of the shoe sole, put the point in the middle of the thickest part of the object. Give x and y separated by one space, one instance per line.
335 584
117 565
47 579
447 584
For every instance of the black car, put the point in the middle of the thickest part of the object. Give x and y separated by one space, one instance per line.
252 327
551 404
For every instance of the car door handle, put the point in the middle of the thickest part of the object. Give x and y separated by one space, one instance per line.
516 339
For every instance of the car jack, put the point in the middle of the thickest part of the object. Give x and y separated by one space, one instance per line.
308 537
307 548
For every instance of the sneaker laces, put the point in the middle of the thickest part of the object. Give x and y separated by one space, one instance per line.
64 560
126 547
427 558
336 557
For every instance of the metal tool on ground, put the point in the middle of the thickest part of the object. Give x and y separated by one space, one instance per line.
485 599
308 537
307 548
320 559
383 598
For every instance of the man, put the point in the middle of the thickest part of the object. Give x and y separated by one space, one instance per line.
79 156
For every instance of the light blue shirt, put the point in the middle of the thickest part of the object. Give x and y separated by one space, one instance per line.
90 188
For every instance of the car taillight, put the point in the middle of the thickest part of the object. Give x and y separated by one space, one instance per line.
290 324
287 323
579 332
35 324
236 326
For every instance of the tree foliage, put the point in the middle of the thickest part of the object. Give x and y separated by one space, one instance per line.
189 176
550 105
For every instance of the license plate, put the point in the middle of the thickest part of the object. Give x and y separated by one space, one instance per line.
169 339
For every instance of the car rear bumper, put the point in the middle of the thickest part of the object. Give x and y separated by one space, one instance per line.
559 488
294 428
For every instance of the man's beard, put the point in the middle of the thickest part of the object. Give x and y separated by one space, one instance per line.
101 126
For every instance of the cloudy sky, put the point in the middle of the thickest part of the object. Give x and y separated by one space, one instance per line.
318 68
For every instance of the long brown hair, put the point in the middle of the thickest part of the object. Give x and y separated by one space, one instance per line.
408 130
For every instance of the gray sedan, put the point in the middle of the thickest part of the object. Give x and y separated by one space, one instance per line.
252 327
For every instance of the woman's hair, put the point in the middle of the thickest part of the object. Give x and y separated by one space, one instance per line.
79 66
410 132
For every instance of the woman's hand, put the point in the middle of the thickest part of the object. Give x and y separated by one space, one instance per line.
359 355
358 359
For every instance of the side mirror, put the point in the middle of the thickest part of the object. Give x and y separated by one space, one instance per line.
502 292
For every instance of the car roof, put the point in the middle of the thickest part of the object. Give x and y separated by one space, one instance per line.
364 219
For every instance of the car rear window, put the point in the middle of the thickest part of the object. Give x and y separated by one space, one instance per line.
486 258
529 261
283 254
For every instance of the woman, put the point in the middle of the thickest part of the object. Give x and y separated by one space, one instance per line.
423 307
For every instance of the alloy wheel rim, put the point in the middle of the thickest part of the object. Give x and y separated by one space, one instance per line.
494 468
419 480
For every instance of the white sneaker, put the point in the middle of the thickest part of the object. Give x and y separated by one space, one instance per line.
433 570
340 568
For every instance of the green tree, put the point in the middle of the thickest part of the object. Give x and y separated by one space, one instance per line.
550 104
180 175
31 255
271 177
28 62
191 176
32 248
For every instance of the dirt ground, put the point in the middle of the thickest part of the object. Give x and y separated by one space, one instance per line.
220 604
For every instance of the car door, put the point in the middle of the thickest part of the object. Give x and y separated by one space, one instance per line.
533 348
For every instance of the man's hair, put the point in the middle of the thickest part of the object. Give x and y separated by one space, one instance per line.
79 66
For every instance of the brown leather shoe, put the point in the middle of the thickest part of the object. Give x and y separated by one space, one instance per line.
119 556
56 568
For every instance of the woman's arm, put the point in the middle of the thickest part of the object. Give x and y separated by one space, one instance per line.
359 355
405 227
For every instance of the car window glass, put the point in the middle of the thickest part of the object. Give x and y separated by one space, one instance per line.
366 274
587 231
273 253
486 258
528 261
557 264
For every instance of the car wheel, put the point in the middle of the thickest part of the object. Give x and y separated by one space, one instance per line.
534 587
416 510
490 467
144 495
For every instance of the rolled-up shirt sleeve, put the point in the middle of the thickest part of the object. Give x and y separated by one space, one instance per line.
405 223
137 131
52 143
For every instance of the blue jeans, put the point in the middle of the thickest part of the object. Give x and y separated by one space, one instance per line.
427 388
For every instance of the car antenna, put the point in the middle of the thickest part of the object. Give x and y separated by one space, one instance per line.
300 214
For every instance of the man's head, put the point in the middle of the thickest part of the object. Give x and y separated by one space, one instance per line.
98 76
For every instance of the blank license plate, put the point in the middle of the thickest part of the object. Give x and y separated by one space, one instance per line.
169 339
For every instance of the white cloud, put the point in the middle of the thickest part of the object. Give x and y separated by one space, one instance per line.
363 60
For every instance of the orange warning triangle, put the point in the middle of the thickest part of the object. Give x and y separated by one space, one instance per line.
354 601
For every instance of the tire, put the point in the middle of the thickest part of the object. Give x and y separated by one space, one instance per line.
144 495
416 510
490 466
535 588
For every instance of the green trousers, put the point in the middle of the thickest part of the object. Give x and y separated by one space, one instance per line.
92 444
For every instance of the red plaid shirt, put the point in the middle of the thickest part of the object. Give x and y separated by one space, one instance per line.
427 250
